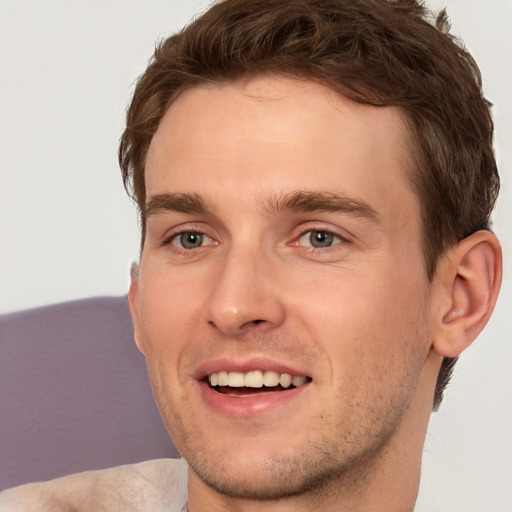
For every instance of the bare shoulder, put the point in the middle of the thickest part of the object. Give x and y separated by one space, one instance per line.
156 485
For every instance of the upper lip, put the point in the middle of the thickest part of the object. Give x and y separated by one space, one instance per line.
246 365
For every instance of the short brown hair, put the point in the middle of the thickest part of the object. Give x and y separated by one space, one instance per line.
375 52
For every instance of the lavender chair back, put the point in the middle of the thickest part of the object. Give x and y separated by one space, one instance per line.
74 392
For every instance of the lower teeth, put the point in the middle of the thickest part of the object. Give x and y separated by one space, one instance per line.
227 390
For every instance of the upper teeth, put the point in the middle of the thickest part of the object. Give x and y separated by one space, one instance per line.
255 379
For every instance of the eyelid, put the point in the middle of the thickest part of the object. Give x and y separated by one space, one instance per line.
173 233
303 230
336 239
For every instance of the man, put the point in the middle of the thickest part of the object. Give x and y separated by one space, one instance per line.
314 181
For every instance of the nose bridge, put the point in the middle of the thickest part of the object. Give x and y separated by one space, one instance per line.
243 294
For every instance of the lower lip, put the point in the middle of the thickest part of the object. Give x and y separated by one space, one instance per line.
247 406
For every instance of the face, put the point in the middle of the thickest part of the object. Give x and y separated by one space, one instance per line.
282 302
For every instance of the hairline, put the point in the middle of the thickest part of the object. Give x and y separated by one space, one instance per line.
414 162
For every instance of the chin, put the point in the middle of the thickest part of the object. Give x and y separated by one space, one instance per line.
315 468
276 478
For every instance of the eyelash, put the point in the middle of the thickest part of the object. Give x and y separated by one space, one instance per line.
175 236
337 239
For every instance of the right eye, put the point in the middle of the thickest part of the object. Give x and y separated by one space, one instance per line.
190 240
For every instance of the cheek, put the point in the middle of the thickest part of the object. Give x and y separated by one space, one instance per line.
368 325
170 305
168 315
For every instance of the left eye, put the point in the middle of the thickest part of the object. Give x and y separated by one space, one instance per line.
319 239
189 240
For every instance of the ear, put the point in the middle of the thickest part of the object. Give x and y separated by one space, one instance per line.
133 301
471 276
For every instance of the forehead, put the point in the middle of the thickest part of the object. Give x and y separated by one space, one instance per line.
269 135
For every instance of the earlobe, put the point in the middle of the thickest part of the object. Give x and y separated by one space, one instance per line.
133 300
473 279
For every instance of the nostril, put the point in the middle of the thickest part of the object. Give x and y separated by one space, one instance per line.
251 324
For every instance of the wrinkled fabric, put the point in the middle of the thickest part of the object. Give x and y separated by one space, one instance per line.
153 486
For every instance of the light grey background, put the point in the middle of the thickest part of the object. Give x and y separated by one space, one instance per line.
67 229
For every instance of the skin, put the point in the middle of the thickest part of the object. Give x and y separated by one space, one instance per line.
357 316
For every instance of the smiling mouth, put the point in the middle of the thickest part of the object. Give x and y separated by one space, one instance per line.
254 382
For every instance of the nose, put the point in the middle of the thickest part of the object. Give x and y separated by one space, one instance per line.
245 295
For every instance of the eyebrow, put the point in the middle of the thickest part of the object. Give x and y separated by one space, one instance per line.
305 201
300 201
176 202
